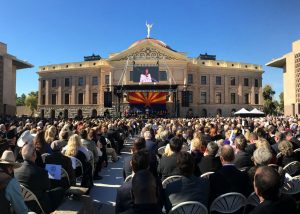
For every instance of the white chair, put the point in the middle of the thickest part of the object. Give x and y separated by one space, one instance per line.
297 150
189 207
206 175
228 203
44 156
278 155
161 150
292 168
170 180
78 164
30 196
253 199
128 178
291 187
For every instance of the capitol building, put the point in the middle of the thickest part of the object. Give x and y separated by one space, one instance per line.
149 77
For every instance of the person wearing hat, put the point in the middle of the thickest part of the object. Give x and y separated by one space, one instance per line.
10 192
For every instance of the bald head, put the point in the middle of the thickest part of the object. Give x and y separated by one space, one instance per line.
227 154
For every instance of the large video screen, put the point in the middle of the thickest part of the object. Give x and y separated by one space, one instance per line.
145 74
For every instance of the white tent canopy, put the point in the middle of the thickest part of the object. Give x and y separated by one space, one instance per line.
256 111
242 111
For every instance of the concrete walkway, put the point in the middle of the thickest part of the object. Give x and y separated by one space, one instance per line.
104 191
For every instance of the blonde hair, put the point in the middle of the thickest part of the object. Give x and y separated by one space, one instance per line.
263 143
50 134
285 147
196 144
168 151
73 145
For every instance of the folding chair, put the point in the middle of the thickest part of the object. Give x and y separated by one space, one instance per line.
228 203
189 207
206 175
170 180
30 196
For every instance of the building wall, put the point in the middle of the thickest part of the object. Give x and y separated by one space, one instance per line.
178 71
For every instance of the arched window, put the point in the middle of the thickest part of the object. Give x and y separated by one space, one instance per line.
219 112
42 113
204 113
52 114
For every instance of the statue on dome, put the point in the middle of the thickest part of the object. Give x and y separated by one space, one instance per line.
149 26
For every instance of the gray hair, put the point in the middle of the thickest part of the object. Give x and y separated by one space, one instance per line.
212 148
262 156
28 151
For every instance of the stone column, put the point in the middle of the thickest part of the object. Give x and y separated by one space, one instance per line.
59 91
73 93
240 90
252 94
47 92
211 93
87 90
40 92
226 91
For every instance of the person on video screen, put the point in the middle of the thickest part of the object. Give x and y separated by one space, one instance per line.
146 77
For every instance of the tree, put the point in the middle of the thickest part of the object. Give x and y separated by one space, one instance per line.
269 105
31 101
281 102
21 100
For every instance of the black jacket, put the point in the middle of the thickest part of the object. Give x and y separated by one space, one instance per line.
209 163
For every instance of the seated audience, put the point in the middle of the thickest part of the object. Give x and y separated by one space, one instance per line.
36 179
73 149
242 158
168 164
59 159
144 194
228 178
287 153
267 185
10 191
210 163
190 187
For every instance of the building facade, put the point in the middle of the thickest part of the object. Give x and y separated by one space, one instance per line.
215 86
8 66
290 63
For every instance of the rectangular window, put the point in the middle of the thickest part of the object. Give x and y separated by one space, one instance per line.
256 99
67 82
232 98
80 81
246 98
163 76
218 97
43 83
94 98
203 98
190 78
203 80
232 80
43 99
80 98
131 76
94 80
67 99
218 80
190 97
106 79
256 83
53 99
53 83
246 82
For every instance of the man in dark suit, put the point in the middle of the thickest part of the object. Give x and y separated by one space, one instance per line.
36 179
124 200
190 187
267 186
228 178
59 159
168 164
210 163
242 158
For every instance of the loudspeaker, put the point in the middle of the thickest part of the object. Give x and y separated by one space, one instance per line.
107 99
185 99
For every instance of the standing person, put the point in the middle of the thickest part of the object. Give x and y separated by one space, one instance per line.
10 192
146 77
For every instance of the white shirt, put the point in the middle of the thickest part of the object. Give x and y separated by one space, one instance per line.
144 78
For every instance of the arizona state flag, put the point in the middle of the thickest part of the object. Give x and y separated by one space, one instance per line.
147 98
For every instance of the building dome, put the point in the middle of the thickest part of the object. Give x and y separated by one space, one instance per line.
156 41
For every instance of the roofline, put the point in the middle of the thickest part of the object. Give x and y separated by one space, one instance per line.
277 63
20 64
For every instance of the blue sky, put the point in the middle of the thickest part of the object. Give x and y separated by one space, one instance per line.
59 31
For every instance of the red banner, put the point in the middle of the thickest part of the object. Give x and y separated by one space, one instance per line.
147 98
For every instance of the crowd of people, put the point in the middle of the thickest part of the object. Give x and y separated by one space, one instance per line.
243 155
